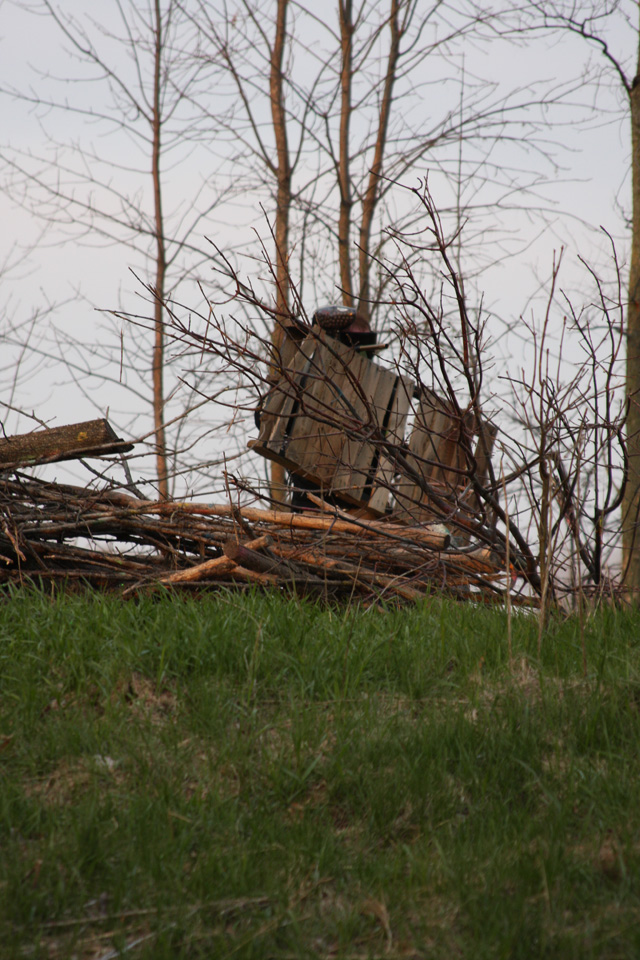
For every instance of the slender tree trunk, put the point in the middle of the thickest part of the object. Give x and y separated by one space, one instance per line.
631 502
344 172
283 201
283 197
158 347
372 194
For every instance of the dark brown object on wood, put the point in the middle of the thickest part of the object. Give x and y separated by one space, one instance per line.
92 438
334 317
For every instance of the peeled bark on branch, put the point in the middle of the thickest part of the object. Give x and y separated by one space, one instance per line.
57 532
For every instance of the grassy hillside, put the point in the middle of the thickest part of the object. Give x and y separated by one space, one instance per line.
246 777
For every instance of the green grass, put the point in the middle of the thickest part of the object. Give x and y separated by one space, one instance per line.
250 777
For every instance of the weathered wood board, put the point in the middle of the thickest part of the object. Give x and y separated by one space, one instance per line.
92 438
317 416
442 449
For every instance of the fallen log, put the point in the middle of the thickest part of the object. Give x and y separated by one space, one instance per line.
92 438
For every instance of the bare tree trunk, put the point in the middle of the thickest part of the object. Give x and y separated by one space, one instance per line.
161 264
631 501
344 173
283 201
283 197
372 194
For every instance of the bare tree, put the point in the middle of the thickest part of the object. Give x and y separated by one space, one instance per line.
595 24
328 110
317 114
283 160
543 518
115 192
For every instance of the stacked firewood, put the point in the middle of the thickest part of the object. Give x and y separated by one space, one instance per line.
109 539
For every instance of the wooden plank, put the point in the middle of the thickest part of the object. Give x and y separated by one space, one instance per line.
270 414
284 355
482 456
395 430
283 398
433 447
433 423
292 437
91 438
437 454
314 443
306 430
300 373
366 474
318 438
353 473
452 459
380 391
269 454
430 422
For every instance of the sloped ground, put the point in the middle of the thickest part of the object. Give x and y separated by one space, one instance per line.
248 777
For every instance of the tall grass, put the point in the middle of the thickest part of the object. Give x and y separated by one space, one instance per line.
251 777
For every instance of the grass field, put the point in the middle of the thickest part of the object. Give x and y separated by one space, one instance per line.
250 777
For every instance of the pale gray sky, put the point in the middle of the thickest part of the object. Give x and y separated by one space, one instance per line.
590 188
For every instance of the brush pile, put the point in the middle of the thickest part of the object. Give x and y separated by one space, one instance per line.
109 539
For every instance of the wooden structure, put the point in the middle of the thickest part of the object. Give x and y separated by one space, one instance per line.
92 438
326 401
328 410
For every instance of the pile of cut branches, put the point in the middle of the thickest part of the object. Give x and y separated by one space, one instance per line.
52 532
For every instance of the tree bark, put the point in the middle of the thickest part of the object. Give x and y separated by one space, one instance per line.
344 172
372 194
283 169
631 501
161 266
283 203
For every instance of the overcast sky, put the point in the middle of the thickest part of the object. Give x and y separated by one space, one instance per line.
588 188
